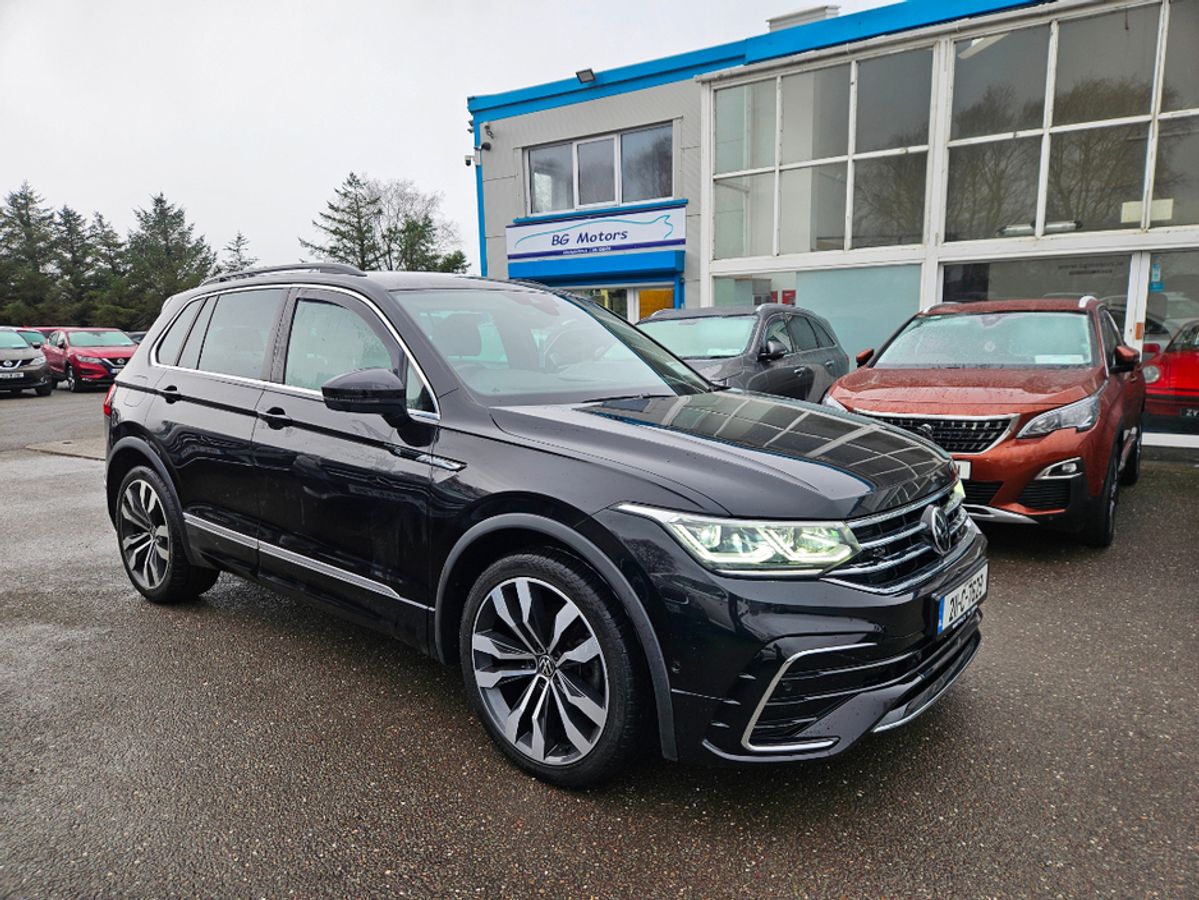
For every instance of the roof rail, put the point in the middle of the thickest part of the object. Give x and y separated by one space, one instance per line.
326 268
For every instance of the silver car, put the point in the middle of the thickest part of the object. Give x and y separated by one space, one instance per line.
21 366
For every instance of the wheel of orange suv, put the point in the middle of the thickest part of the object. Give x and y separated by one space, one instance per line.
551 668
1100 529
150 535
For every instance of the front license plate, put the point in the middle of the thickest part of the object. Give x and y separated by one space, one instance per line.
958 603
1190 412
963 468
10 374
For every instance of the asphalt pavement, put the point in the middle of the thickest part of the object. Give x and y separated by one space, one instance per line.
250 745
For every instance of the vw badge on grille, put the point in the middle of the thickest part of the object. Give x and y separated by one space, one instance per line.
938 528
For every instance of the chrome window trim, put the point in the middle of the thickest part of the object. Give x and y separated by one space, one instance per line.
298 559
425 415
819 744
1004 435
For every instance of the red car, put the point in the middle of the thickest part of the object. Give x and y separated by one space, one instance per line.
1172 377
86 356
1038 401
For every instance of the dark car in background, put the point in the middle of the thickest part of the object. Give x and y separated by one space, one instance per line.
773 348
32 336
22 367
1039 401
81 357
614 553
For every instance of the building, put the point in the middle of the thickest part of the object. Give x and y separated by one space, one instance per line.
868 165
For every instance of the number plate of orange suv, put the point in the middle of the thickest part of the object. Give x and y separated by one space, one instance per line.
958 603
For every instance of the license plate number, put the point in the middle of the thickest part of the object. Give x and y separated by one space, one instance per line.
1190 412
963 466
10 374
958 603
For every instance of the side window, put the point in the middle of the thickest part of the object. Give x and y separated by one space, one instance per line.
777 331
172 341
239 332
189 358
802 333
328 340
1111 335
822 333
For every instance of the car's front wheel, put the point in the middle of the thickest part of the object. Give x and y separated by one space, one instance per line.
74 385
1100 529
551 667
150 537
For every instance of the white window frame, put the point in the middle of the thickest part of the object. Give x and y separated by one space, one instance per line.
618 184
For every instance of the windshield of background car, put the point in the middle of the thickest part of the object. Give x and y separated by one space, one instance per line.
100 339
1186 339
513 347
10 340
702 337
32 337
1008 340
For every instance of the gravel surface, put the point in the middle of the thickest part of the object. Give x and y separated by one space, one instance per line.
249 745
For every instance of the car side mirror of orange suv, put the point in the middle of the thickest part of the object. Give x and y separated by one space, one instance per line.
864 356
1125 359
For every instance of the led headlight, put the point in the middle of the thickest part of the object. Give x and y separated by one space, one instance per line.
1151 373
742 546
37 360
830 400
89 359
1081 416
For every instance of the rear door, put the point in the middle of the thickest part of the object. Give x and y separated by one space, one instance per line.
345 495
53 353
809 353
214 359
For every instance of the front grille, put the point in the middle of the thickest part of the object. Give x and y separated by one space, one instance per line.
980 493
897 548
953 435
1048 493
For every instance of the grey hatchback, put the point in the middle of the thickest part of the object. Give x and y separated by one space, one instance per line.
773 348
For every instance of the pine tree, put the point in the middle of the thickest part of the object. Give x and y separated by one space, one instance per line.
237 255
26 258
111 298
349 224
74 260
164 257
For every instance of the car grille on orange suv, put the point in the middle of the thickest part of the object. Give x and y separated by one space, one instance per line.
953 435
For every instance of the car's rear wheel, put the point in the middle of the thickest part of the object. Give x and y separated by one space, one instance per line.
150 537
1100 529
551 668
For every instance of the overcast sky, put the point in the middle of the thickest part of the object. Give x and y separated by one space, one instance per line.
250 113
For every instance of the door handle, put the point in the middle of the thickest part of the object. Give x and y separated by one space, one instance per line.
274 417
830 364
170 393
801 371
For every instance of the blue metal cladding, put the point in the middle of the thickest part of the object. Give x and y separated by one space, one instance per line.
897 17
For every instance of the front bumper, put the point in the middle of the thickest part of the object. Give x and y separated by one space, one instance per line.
782 669
26 377
93 373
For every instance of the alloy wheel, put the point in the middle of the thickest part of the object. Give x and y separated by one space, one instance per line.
145 535
540 671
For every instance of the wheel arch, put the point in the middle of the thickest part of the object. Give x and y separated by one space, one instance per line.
503 534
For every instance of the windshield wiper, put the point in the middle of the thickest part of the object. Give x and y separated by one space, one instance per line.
630 397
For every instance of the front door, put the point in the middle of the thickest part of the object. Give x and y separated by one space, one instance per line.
346 495
787 376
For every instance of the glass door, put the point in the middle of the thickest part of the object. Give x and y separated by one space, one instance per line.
633 303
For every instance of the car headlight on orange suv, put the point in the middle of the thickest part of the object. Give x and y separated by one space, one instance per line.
1080 416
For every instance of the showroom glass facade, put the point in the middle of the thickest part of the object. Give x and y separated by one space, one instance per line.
1055 152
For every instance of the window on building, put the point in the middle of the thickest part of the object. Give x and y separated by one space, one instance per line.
823 148
585 173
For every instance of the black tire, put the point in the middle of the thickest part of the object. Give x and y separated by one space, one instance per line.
1131 473
74 385
44 389
1100 529
160 571
555 577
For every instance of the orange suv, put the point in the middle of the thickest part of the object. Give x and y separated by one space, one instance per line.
1039 403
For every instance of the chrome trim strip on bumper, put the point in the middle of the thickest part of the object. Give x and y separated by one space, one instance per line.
298 559
935 697
820 744
994 514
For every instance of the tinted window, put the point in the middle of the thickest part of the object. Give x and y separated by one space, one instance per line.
172 341
802 333
328 340
238 332
777 331
826 339
190 356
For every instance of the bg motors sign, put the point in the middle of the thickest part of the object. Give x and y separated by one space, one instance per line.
659 227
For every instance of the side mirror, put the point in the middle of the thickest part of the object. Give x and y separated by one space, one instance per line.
378 391
62 344
864 356
1149 350
774 349
36 345
1125 359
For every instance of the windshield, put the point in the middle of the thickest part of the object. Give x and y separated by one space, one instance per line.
1009 340
10 340
536 347
702 337
100 339
32 337
1186 339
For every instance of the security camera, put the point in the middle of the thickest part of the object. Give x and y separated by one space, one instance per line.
469 159
486 145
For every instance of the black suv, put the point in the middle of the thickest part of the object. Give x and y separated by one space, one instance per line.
522 484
